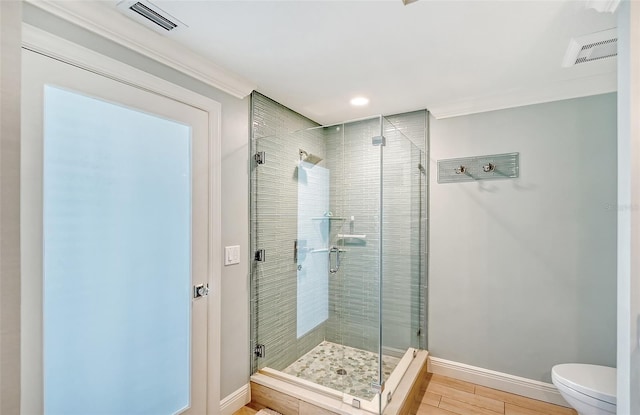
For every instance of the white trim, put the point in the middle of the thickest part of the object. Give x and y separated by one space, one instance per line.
43 42
339 402
303 383
215 257
519 97
236 400
393 381
47 44
533 389
299 391
628 290
93 15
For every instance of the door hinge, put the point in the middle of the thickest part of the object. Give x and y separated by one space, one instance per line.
259 157
259 350
259 255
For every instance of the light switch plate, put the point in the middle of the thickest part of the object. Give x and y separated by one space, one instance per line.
232 255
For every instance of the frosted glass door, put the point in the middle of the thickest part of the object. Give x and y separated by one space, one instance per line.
121 231
117 277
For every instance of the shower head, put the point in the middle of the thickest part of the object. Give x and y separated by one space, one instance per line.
309 158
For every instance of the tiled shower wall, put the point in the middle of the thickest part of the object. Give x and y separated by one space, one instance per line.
354 163
274 218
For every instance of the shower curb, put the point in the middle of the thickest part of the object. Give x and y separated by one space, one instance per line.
292 398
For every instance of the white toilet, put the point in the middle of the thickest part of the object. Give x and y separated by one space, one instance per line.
589 389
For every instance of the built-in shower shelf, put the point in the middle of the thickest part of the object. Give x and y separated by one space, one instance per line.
350 236
320 250
328 218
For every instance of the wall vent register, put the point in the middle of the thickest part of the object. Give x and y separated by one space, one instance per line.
150 15
591 47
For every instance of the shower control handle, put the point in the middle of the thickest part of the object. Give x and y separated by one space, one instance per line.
335 249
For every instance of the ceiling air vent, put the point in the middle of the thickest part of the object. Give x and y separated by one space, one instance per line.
592 47
150 15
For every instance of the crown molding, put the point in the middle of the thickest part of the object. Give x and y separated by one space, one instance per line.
533 94
95 15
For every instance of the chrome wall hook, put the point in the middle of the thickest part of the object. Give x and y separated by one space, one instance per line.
488 167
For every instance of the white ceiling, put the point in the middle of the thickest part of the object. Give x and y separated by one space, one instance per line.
449 56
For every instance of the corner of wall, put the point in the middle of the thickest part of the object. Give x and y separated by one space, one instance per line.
10 74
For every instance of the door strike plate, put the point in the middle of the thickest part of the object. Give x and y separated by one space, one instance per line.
200 290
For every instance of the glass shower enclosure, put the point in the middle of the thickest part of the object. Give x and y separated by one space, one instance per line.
338 237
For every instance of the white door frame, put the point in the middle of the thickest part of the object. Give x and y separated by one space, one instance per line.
47 44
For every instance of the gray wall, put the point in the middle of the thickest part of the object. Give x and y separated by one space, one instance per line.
523 271
235 140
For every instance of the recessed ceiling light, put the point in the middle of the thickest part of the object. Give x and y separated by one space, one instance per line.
359 101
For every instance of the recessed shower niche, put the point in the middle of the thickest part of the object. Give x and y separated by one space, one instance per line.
338 235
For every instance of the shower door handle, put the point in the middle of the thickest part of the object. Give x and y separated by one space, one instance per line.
335 249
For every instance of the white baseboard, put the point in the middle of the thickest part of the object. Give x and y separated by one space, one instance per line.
533 389
235 400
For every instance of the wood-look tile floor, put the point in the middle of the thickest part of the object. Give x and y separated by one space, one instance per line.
448 396
245 410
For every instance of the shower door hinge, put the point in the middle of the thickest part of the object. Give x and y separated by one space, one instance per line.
259 350
259 255
377 387
259 157
379 140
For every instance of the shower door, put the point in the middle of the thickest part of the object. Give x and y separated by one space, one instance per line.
404 206
354 151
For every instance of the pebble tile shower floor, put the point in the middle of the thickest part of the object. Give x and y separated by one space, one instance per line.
324 363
